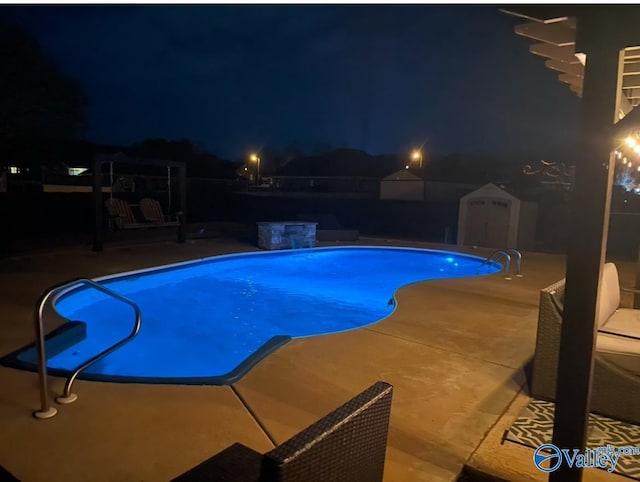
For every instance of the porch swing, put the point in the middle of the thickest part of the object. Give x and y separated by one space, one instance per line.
120 211
151 209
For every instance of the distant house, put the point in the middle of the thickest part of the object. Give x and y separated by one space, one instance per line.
402 185
492 217
349 172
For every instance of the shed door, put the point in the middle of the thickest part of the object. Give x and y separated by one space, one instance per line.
487 222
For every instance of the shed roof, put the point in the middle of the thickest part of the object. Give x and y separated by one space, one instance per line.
402 175
502 190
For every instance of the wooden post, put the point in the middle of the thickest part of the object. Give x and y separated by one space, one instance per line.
182 194
587 240
98 229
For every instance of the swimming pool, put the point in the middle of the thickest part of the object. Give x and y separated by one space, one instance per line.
209 321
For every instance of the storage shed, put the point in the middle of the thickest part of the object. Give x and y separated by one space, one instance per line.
492 217
402 185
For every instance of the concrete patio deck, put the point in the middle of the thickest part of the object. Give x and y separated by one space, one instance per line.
454 350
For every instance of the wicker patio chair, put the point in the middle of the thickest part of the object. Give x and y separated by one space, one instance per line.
616 375
347 445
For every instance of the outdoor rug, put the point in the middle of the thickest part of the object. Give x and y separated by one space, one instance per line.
534 427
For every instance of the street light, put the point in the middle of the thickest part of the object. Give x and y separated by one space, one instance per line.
255 158
416 156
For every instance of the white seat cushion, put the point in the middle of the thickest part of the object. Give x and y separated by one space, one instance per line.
606 343
608 294
624 321
620 350
623 352
621 344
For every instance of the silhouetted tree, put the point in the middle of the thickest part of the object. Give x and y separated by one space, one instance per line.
288 155
341 162
472 168
157 148
199 162
36 99
321 147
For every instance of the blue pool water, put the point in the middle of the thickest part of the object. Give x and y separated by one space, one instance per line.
203 319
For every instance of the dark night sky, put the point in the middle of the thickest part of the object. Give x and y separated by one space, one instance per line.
378 78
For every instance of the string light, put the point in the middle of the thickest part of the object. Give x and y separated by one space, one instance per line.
628 152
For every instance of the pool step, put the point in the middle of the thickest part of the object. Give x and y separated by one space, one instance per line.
57 341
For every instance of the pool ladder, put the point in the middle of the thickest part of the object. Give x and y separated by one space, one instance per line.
46 410
506 254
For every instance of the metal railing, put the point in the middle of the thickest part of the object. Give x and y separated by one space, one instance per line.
499 253
46 411
495 256
518 256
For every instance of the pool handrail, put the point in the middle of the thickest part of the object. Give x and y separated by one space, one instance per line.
46 411
518 255
495 255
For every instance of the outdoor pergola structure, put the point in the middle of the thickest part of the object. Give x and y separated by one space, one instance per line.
596 50
97 166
